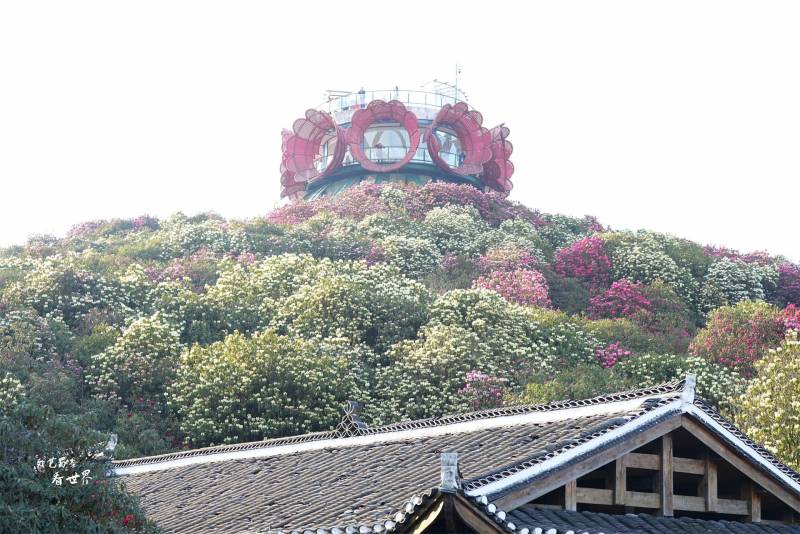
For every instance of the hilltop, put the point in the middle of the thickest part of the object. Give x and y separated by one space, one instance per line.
196 330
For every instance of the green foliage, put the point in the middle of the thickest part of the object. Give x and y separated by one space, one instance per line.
565 340
413 256
31 502
269 385
731 281
715 383
374 305
769 411
140 363
583 381
455 229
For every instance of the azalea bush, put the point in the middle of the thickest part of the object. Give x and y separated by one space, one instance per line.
609 355
586 260
483 391
737 336
769 411
622 300
788 286
523 286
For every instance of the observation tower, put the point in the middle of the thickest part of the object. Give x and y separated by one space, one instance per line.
395 135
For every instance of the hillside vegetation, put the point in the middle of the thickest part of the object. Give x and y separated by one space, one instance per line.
193 331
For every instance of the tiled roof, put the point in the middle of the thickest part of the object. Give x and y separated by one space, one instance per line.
531 519
358 479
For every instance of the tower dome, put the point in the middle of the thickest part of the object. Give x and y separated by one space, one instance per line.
393 135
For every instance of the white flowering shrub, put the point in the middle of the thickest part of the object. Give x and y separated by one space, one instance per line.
646 261
59 287
139 364
374 305
455 229
563 340
517 234
183 236
12 393
423 376
730 281
242 389
769 411
507 336
413 256
716 383
24 332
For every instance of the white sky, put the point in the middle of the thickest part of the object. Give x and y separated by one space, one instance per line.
679 116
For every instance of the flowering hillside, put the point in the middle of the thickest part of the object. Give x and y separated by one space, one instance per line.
193 331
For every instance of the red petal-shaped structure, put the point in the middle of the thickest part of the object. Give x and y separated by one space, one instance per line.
498 170
474 138
290 186
377 111
301 147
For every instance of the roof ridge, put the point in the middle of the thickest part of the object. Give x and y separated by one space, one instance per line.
432 422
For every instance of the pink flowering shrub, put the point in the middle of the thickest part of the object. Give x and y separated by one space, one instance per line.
622 300
609 355
736 336
791 318
482 391
788 291
523 286
506 259
586 260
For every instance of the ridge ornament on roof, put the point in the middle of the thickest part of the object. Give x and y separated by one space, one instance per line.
351 423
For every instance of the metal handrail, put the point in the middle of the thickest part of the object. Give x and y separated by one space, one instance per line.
406 96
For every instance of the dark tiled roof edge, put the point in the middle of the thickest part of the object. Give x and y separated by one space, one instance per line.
661 389
733 429
587 436
406 512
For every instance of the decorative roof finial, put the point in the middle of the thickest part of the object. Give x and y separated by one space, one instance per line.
451 477
351 423
687 395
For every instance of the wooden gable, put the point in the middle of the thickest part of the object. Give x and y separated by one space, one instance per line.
676 468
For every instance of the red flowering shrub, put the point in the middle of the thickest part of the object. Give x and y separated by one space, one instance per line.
737 336
609 355
788 291
586 260
523 286
790 317
508 258
623 299
482 391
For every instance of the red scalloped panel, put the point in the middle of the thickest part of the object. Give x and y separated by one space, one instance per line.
376 111
474 138
301 148
498 170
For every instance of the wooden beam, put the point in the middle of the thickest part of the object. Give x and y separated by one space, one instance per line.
422 521
710 485
476 519
595 496
571 495
641 499
688 465
653 463
666 476
755 504
642 461
733 507
764 480
620 481
557 478
689 503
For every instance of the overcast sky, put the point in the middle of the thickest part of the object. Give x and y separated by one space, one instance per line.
682 117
